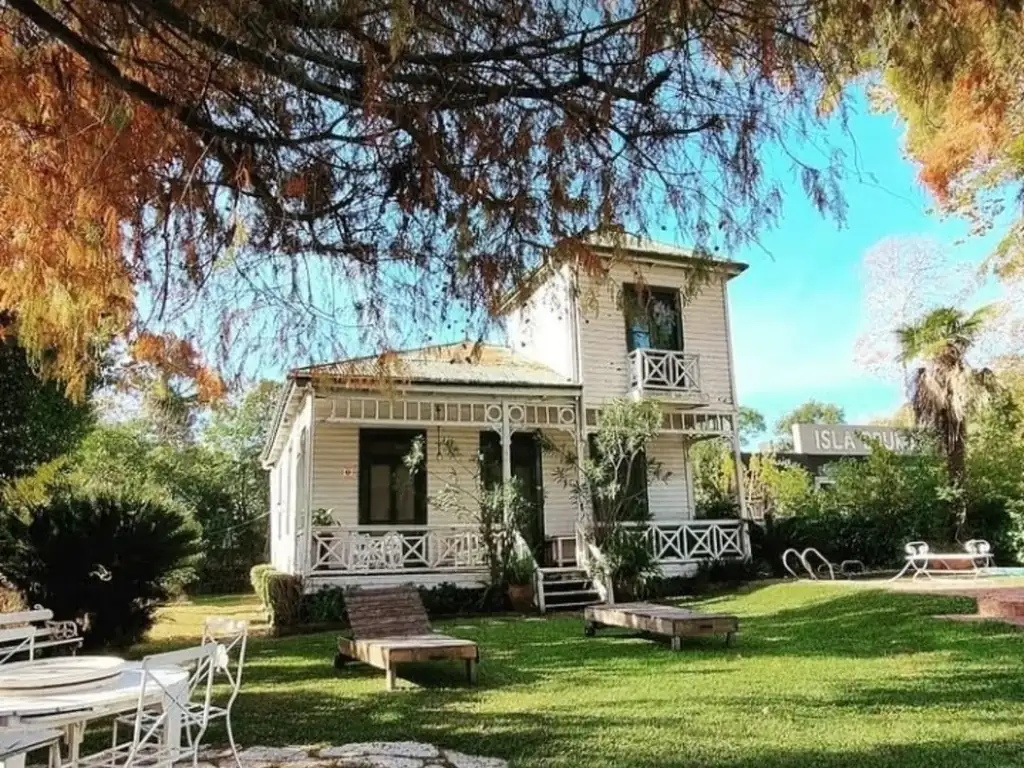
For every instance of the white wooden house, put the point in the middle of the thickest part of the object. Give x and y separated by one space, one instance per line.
345 509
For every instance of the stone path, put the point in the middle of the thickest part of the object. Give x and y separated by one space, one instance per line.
378 754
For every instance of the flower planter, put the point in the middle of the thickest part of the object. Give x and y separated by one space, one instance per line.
521 597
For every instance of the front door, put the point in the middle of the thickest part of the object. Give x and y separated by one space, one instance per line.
526 468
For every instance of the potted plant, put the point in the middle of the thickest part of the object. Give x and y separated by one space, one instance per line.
630 562
519 573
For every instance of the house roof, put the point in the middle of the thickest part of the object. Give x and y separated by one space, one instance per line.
639 249
466 363
645 246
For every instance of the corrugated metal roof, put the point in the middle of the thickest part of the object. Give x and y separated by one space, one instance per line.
462 363
645 245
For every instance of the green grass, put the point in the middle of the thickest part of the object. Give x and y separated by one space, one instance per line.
821 676
184 620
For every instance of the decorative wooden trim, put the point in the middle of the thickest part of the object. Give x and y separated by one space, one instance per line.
412 413
698 423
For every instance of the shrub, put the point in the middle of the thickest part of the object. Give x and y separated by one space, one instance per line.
106 562
452 600
326 606
258 578
873 508
284 596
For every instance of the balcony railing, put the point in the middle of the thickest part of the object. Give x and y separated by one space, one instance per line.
688 541
397 549
664 370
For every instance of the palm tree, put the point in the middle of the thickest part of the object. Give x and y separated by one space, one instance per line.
943 388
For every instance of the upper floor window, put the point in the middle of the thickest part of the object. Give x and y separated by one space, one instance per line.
653 317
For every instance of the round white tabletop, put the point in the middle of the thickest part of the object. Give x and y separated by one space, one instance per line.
118 694
63 707
59 674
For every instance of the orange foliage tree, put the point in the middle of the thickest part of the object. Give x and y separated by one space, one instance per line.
273 176
953 70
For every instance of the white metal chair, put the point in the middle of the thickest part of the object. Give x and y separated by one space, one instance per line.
233 636
160 705
15 743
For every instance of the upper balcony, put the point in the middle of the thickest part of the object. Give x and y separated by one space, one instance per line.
665 373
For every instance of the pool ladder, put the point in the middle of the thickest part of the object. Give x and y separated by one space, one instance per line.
825 569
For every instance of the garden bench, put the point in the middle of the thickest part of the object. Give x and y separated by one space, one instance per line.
977 555
390 627
675 623
23 633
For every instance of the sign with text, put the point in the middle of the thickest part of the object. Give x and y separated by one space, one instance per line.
848 439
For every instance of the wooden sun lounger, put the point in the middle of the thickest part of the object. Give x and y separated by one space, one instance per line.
390 627
675 623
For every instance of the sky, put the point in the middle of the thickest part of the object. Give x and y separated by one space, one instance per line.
797 311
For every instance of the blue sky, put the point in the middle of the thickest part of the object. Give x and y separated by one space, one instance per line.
797 311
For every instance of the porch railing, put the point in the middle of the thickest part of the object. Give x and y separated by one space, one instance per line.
688 541
664 370
341 549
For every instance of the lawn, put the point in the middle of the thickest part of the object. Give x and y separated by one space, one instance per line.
821 676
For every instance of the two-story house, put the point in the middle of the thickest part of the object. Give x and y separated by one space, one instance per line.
346 508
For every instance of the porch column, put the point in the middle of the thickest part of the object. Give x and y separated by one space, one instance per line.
306 512
506 457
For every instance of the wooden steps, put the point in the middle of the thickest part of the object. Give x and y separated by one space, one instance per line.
567 588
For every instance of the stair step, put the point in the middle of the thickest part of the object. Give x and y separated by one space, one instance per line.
546 569
563 583
571 593
565 575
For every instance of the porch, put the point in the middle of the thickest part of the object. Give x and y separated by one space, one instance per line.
458 553
362 515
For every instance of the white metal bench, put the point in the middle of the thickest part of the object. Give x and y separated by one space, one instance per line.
921 560
24 633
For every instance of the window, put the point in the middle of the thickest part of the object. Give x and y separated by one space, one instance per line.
632 502
653 317
390 491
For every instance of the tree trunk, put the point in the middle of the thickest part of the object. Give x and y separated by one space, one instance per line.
956 462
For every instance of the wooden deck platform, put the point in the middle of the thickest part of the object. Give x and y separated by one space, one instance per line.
667 620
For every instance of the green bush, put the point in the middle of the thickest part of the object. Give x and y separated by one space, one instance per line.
325 606
106 562
284 596
452 600
875 506
258 579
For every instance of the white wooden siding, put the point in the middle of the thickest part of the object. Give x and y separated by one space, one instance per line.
457 467
336 475
336 469
560 510
288 485
542 329
603 330
672 499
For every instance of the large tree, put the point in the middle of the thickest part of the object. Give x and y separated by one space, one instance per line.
810 412
953 71
280 173
37 422
943 387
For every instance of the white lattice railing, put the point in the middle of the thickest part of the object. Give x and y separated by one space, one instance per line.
666 370
687 541
397 549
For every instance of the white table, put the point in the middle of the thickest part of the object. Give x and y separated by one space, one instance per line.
76 703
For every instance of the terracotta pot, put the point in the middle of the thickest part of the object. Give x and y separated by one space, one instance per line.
521 597
624 592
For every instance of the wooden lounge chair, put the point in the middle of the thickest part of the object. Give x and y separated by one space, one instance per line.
390 627
674 623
